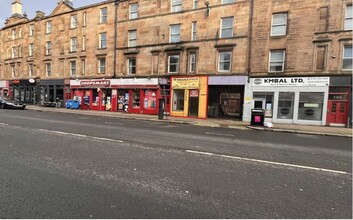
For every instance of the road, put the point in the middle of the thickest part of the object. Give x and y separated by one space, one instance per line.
55 165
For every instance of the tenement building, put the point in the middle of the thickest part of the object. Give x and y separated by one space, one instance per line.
196 58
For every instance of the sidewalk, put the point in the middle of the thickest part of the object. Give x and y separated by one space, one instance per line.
302 129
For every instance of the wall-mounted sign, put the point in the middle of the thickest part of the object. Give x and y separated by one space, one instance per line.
194 93
2 84
16 81
292 81
186 83
95 83
32 80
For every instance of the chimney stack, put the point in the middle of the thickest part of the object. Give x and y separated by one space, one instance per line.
16 7
68 2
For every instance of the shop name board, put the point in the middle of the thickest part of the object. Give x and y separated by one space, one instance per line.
95 83
186 83
292 81
2 84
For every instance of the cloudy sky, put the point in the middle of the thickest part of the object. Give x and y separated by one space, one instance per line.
31 6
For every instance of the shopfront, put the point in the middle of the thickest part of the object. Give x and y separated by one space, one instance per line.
289 100
25 90
4 88
139 96
225 96
51 92
189 96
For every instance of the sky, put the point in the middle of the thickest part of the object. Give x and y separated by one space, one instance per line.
31 6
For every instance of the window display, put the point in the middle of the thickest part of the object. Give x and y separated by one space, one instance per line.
285 105
136 99
150 99
310 105
178 100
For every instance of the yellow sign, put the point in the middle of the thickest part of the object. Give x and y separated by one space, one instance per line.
186 83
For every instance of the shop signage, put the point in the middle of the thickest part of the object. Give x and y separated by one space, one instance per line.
194 93
186 83
32 80
292 81
16 81
2 84
95 83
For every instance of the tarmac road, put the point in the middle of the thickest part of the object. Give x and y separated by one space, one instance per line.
56 165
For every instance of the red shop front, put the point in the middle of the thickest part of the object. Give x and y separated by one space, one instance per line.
95 94
139 96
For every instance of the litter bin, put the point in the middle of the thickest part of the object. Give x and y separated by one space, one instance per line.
257 116
75 104
161 109
68 103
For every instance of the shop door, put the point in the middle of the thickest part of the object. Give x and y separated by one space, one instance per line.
337 112
194 103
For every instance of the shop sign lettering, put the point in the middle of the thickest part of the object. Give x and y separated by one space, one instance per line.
95 83
292 81
186 83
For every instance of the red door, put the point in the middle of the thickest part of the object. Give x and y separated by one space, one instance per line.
337 112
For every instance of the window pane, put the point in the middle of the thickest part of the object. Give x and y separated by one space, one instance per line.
276 56
280 19
285 105
178 100
278 30
348 52
310 105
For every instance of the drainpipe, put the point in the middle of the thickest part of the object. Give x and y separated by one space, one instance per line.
116 3
250 38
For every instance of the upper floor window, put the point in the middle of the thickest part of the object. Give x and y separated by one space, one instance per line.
73 68
131 66
83 66
177 5
224 61
73 44
194 31
102 40
103 15
14 34
279 24
13 71
48 27
31 30
48 69
48 48
227 1
20 32
132 38
83 42
320 58
173 63
30 49
227 27
323 19
348 24
347 57
133 11
101 65
174 33
30 69
84 19
13 52
192 62
276 63
73 23
196 4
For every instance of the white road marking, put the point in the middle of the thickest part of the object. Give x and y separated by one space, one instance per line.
229 135
81 135
267 162
3 123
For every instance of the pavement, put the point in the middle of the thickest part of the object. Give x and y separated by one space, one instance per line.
292 128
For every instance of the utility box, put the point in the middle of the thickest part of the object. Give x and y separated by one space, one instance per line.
257 116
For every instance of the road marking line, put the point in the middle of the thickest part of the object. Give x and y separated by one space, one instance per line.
81 135
229 135
3 123
268 162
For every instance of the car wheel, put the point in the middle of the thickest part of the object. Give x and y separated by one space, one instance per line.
1 106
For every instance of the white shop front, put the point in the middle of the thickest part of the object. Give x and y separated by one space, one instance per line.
288 100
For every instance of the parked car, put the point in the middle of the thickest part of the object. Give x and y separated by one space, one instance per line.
9 102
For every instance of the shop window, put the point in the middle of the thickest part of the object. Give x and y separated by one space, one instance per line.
285 105
310 105
264 101
149 100
178 100
95 98
136 99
